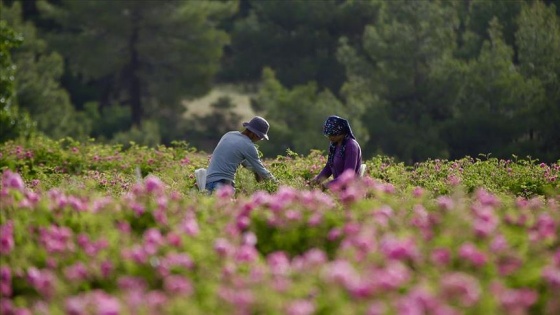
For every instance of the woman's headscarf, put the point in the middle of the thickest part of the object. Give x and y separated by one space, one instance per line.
335 126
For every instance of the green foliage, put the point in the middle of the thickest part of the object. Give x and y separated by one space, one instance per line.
222 117
37 83
297 40
391 78
88 164
15 124
478 20
115 168
493 88
443 80
296 115
538 42
295 239
8 39
426 80
147 135
148 55
108 121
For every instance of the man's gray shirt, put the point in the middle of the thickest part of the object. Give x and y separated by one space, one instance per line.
233 150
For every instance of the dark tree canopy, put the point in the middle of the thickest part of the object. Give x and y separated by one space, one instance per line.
148 55
416 79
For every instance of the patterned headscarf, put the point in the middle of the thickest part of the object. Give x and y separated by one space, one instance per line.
335 126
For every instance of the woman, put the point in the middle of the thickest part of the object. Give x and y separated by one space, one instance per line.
344 151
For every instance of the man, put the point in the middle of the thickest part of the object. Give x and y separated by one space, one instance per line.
238 148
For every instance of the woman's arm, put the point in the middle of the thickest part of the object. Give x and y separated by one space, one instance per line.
325 173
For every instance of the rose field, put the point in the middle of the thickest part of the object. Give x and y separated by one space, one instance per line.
87 228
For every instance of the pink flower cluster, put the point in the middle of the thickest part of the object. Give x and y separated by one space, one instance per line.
287 206
7 242
11 180
361 247
56 239
43 280
94 302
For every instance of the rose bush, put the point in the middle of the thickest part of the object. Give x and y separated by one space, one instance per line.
91 229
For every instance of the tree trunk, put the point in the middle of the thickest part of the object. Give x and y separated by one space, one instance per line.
134 84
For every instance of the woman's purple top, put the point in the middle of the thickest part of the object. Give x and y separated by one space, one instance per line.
352 160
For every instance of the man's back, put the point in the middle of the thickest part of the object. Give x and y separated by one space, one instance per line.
233 149
238 148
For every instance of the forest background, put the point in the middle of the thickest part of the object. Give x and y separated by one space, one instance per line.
416 79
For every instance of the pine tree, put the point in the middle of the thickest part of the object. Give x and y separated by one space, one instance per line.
148 55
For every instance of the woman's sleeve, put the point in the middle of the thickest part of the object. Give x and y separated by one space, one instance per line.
325 173
352 156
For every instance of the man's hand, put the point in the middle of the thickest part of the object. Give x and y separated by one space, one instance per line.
258 177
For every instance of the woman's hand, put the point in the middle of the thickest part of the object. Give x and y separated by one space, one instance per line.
317 182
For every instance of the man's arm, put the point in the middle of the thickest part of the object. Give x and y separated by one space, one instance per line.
253 163
248 166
